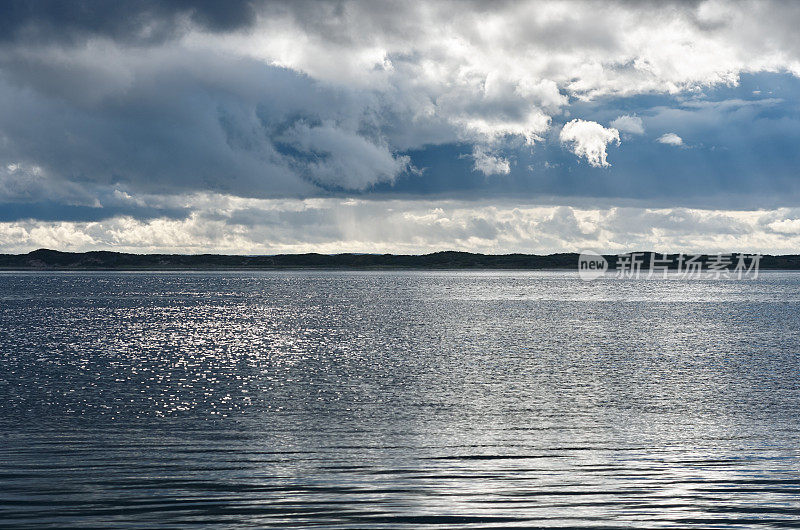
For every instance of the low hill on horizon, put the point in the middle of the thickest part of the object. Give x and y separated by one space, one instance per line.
45 259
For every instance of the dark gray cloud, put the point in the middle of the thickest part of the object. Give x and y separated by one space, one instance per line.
133 21
161 123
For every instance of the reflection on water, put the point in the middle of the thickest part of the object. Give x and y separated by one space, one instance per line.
384 399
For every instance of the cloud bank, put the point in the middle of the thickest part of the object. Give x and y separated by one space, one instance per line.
268 226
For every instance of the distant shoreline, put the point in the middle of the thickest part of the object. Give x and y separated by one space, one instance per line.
44 259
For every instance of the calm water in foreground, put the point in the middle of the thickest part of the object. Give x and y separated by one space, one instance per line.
391 399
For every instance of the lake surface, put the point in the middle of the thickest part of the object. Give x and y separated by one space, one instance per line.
392 399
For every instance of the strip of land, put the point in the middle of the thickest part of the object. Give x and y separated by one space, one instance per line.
44 259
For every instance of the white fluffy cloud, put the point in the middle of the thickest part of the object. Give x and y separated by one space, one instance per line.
670 139
589 139
789 227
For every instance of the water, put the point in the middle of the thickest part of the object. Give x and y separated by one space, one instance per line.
391 399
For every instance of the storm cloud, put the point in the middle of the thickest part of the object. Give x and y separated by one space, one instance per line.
133 21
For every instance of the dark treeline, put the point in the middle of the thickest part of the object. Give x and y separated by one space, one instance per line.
104 260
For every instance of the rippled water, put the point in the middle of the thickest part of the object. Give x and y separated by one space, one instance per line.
390 399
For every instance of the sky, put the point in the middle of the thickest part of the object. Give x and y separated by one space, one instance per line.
406 127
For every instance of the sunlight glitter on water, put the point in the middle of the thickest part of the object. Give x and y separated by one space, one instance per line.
391 399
